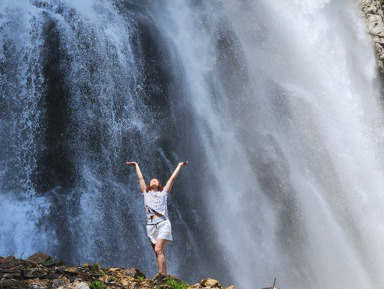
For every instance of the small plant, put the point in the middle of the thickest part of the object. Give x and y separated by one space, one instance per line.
95 268
97 285
49 261
140 277
177 284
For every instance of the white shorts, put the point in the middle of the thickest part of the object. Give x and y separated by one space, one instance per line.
159 228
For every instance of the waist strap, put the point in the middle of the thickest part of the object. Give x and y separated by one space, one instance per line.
156 221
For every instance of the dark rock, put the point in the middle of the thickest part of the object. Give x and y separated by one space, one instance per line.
33 273
60 271
39 258
135 273
12 275
12 284
162 279
9 259
52 276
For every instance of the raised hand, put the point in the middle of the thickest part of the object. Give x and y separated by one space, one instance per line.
139 175
169 184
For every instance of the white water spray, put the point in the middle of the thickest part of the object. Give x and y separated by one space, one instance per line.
285 102
288 102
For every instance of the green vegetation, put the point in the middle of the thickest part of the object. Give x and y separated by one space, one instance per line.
95 268
97 285
177 284
140 277
48 261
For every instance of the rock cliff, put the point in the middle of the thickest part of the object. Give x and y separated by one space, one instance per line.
373 11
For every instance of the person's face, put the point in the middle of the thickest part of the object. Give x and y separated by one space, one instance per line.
154 183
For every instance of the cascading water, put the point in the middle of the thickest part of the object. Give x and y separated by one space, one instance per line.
86 86
275 104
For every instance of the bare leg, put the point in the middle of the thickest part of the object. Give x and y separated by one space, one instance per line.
158 248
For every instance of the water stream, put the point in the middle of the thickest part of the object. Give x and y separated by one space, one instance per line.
275 104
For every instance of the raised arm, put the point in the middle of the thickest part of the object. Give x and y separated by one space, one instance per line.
143 186
171 180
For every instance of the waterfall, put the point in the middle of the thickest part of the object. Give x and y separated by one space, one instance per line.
275 104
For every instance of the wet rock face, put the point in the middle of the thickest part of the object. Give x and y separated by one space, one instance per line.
373 11
40 271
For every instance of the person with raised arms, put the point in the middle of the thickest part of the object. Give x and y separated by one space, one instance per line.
159 228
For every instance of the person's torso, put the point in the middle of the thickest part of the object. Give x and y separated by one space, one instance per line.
156 203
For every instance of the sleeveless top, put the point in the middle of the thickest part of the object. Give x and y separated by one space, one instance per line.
156 202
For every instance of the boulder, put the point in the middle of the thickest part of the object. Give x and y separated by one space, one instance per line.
39 258
210 283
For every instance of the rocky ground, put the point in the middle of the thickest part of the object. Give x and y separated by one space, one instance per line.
40 271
